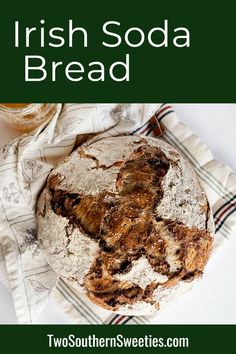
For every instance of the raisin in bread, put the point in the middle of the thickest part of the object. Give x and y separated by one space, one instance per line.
125 221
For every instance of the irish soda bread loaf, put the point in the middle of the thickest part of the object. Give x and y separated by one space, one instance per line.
126 221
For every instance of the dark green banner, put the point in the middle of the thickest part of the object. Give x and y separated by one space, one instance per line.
119 339
123 51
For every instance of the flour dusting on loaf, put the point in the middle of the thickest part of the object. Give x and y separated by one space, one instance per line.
126 221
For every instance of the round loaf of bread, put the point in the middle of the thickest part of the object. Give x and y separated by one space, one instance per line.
126 221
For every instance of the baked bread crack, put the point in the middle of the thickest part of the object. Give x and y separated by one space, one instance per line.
114 202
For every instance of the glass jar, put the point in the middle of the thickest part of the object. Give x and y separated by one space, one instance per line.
25 117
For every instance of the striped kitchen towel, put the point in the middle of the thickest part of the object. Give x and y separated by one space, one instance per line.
24 165
218 181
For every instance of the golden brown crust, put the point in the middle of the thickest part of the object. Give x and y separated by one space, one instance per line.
126 227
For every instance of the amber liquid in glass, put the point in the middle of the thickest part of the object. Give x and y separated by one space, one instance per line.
15 105
25 117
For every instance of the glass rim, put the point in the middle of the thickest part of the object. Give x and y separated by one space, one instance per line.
25 109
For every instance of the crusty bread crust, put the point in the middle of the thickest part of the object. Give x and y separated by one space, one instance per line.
126 221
